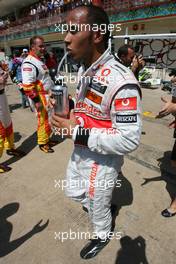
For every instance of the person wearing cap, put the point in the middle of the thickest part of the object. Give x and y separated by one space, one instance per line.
24 53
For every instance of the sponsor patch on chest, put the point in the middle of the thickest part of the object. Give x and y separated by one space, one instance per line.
93 97
101 88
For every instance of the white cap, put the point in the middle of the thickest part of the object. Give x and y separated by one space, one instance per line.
25 50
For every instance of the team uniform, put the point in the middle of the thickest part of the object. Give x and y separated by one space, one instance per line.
6 128
108 109
36 83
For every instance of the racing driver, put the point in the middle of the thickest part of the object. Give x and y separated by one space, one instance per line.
105 124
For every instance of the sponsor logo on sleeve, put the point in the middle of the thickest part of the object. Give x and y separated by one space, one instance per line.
126 104
126 118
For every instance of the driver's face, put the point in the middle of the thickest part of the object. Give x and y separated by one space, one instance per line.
39 47
79 43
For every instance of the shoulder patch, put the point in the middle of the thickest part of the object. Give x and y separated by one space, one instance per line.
126 104
126 118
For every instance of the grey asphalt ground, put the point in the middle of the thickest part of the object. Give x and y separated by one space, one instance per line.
30 192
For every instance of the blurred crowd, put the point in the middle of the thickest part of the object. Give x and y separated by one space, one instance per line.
55 6
43 9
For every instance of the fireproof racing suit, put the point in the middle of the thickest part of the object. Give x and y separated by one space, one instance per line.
108 108
6 128
36 83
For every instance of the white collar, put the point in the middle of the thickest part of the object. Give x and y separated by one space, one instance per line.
101 61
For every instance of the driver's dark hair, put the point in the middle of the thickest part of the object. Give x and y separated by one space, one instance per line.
97 16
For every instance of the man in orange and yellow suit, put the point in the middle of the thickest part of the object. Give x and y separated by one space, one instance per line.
36 84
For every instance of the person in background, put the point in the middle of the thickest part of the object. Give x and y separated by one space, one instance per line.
126 55
6 127
10 62
36 83
3 109
51 63
44 8
170 108
50 7
33 11
24 53
16 69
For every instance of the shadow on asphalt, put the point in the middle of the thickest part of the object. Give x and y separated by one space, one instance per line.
57 138
121 196
17 137
132 251
27 146
14 107
6 228
169 178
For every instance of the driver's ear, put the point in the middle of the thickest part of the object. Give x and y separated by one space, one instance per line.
122 57
32 47
98 37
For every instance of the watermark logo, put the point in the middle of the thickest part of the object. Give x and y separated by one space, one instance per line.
72 235
73 28
65 132
103 184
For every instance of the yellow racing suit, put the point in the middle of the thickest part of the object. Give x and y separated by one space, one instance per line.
36 83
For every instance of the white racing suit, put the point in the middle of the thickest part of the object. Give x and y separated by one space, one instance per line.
36 84
108 108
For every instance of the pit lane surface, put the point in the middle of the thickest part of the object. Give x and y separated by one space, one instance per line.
32 185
